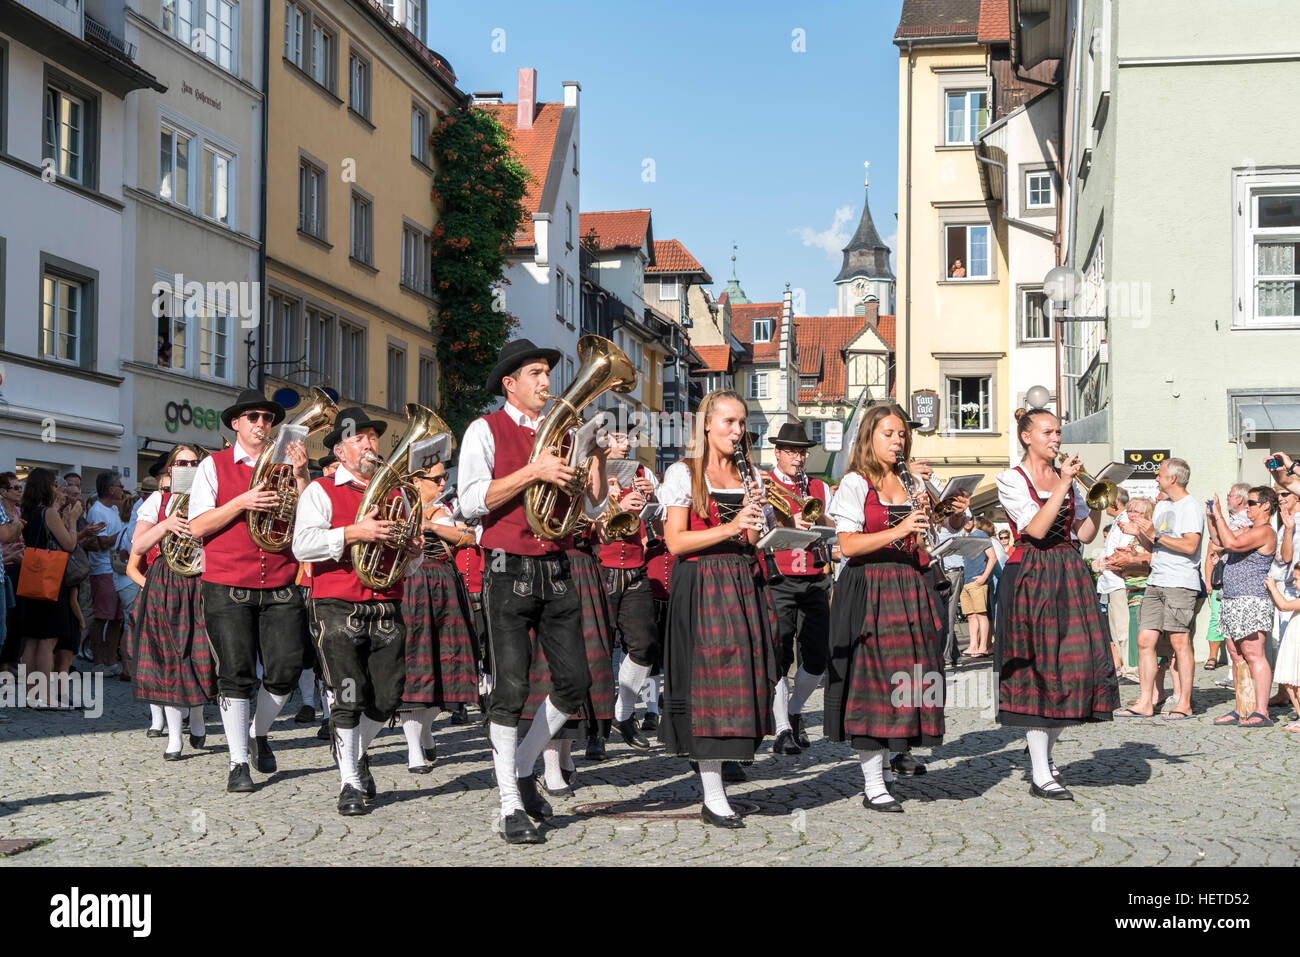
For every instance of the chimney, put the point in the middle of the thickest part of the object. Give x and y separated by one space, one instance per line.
571 91
787 321
527 98
484 99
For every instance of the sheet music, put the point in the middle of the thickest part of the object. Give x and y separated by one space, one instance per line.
428 452
287 434
183 478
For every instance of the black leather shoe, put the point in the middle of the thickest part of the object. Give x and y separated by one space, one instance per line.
905 763
263 759
515 828
632 736
240 780
460 715
185 721
800 735
651 722
367 779
730 822
784 744
595 749
306 715
171 756
156 733
422 769
564 792
198 740
430 754
538 808
1054 794
889 807
351 803
323 734
568 776
733 773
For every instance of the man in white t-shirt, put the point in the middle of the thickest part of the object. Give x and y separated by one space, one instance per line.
106 631
1111 586
1173 536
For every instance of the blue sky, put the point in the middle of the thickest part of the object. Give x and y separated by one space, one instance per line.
752 141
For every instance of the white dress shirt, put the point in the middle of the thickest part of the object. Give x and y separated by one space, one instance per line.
1108 581
477 458
314 540
203 493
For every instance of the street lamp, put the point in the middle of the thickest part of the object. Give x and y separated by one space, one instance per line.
1060 287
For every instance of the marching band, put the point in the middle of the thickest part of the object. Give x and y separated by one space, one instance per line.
409 598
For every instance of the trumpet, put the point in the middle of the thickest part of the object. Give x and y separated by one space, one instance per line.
1099 495
272 530
620 523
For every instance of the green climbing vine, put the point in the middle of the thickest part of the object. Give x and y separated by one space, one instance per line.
479 191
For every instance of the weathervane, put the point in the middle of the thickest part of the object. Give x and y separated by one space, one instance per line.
866 179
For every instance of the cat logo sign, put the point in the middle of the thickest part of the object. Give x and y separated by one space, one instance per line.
1145 461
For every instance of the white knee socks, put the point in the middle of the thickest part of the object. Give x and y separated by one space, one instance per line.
348 741
198 727
156 718
631 677
781 705
1040 749
234 720
804 685
548 720
411 729
307 688
504 746
369 728
426 727
268 707
551 762
175 742
1052 735
715 795
873 774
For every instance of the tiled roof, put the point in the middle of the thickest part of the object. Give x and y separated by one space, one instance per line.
616 229
742 327
715 357
821 343
672 257
887 327
995 21
534 148
939 18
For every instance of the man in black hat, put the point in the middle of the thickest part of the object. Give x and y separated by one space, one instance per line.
527 587
251 606
801 595
359 633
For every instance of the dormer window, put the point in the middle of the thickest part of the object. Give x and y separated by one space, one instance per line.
762 330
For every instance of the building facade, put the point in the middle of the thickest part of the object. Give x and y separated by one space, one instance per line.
768 372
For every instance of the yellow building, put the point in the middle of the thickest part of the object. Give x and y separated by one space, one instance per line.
952 301
350 215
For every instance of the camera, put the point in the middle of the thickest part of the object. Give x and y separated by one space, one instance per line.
1273 463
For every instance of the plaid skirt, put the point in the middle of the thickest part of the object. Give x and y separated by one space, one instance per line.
719 661
1055 666
884 680
597 714
441 643
169 643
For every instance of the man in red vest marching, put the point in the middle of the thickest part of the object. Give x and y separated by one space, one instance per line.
526 584
251 606
801 596
359 632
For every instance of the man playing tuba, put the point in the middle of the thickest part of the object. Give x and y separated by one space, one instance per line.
250 605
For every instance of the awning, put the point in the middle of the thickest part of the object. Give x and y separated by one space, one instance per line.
1267 413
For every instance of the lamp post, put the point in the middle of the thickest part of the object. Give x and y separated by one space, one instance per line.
1061 286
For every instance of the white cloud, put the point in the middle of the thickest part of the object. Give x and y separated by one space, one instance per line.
830 241
892 242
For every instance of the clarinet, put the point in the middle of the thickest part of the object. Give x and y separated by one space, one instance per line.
914 497
821 553
751 493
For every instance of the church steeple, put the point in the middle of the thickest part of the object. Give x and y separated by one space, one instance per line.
735 295
865 271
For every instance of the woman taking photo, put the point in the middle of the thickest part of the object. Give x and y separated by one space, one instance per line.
1056 666
719 661
173 658
1246 609
51 524
883 619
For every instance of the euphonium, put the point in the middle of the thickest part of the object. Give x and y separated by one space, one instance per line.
1099 495
604 366
272 531
379 565
184 553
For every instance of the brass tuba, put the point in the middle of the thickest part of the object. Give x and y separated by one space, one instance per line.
380 565
272 531
604 366
184 553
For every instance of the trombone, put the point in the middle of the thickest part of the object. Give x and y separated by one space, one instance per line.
1100 495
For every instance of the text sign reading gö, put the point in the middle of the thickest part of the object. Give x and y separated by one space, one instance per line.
182 413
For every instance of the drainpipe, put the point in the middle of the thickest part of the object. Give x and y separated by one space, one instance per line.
261 255
1012 220
907 284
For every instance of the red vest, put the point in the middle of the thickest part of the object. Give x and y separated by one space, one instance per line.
506 528
469 562
155 553
799 561
230 557
659 567
621 553
338 579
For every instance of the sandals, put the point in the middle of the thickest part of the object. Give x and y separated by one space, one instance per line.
1293 727
1230 718
1264 721
1176 715
1130 713
1211 665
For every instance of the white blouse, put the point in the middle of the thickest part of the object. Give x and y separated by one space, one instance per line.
1013 493
676 486
850 502
148 514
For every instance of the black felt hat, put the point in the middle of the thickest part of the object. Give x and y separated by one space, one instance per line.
515 354
350 421
249 400
792 434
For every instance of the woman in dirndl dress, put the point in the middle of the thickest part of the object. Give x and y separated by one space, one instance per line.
442 644
173 657
1056 668
719 659
885 681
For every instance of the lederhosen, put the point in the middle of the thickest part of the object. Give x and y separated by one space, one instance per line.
885 624
528 590
173 660
442 650
802 597
1055 666
360 635
251 607
719 655
631 600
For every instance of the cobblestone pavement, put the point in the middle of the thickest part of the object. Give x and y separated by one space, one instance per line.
1148 792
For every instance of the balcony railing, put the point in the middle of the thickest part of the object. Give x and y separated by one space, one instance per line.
102 36
435 62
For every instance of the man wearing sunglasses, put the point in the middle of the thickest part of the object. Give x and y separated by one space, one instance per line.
250 604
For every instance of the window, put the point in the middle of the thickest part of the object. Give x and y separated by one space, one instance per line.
294 20
352 359
323 44
568 301
406 13
362 243
818 430
428 384
221 21
568 229
1035 324
715 380
967 115
967 252
760 429
209 27
415 259
1038 190
970 403
762 330
61 319
311 199
65 128
420 133
1267 247
808 381
359 85
214 342
396 379
173 333
320 348
284 336
559 294
668 290
174 166
758 385
216 185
